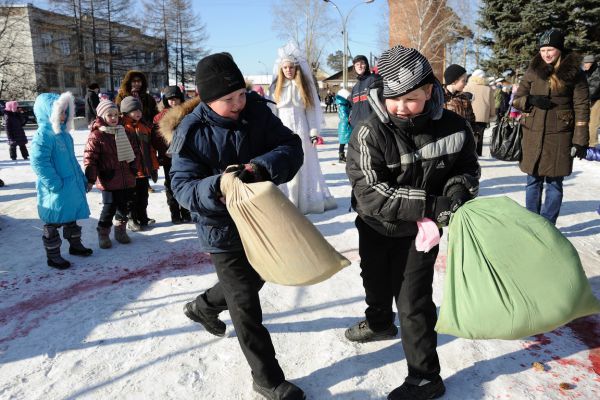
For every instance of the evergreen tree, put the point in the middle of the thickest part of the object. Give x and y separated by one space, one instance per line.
514 27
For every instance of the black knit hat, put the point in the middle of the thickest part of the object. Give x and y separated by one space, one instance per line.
216 76
360 57
552 38
403 70
453 73
170 92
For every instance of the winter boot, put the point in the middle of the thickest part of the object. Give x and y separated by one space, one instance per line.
103 238
185 216
72 232
211 323
52 243
1 183
175 217
342 157
121 232
418 389
134 226
284 391
362 333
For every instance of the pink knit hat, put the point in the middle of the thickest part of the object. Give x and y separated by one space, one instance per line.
104 106
11 106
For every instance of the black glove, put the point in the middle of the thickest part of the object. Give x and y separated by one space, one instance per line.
249 173
459 195
440 209
579 151
106 174
541 102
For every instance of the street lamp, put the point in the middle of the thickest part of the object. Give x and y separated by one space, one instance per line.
345 33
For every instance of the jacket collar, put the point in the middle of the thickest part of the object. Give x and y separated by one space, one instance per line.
567 70
204 112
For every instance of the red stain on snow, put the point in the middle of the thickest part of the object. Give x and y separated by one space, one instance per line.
588 331
22 311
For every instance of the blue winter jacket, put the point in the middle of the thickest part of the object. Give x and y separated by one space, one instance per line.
206 143
344 128
61 185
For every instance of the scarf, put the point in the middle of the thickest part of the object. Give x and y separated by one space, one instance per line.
124 149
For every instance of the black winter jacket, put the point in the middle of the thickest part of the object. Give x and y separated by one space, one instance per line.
91 102
397 171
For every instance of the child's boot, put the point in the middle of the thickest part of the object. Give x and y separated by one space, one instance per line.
185 215
342 157
52 242
121 232
72 232
103 238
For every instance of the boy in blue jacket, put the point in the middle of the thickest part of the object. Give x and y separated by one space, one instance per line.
231 128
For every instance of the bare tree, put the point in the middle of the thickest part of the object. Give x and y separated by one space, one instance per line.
305 23
426 24
156 20
14 83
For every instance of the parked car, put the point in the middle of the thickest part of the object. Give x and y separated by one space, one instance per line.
26 107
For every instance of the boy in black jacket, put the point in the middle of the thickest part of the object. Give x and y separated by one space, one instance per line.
232 131
409 160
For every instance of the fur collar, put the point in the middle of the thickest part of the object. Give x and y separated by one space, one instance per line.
566 71
66 101
172 118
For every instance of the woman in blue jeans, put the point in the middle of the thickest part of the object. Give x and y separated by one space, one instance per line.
553 97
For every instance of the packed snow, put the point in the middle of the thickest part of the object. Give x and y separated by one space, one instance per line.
112 326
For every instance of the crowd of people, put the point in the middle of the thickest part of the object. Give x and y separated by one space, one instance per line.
412 153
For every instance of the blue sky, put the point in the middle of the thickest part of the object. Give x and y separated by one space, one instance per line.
244 29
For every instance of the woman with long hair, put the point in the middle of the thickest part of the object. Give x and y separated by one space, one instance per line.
553 96
299 108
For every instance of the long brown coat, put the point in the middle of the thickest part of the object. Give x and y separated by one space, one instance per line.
149 107
548 135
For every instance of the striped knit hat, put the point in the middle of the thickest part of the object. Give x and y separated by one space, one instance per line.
403 70
104 106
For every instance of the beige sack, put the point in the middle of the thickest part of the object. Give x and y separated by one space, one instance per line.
282 245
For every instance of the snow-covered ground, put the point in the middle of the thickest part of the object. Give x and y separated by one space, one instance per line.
111 327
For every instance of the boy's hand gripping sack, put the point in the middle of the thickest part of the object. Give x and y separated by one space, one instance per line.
281 244
510 274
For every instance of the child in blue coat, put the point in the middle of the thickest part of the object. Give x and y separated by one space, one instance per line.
344 128
61 184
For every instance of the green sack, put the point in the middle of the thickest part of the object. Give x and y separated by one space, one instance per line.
510 274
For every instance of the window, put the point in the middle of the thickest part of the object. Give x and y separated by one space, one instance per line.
46 41
50 75
70 78
103 66
65 47
102 47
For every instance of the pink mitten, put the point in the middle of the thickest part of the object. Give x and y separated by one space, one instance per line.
428 236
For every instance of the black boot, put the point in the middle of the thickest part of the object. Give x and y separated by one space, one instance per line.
284 391
211 323
342 158
418 389
52 243
362 333
72 232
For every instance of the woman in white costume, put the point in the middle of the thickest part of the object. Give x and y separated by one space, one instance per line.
299 108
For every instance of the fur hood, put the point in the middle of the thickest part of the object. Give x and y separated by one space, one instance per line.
125 89
49 106
172 118
477 80
567 70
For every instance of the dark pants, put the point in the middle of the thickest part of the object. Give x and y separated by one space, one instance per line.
479 129
237 291
116 204
13 151
553 200
139 207
174 207
392 268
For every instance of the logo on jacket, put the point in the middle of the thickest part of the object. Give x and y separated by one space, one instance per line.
440 165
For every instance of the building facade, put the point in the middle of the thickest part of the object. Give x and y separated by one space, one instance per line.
47 54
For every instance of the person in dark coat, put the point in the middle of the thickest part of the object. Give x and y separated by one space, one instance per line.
172 97
13 123
592 73
410 159
232 131
135 84
553 96
91 102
